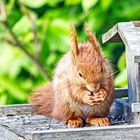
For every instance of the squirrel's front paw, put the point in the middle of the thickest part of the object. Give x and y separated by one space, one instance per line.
100 96
89 99
96 98
75 123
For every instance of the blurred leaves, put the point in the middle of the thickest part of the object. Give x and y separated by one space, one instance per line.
8 85
122 62
106 4
20 27
72 2
87 5
10 62
121 80
46 24
34 3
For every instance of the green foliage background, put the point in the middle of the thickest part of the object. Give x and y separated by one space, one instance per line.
53 19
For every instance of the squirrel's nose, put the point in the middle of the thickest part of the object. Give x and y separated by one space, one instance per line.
93 88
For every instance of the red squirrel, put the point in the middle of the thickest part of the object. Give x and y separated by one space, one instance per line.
82 89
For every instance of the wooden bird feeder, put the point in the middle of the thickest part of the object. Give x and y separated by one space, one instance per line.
20 122
129 34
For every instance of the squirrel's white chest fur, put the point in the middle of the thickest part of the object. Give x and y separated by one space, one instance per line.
86 109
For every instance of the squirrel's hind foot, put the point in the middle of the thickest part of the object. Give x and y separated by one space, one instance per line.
98 121
75 123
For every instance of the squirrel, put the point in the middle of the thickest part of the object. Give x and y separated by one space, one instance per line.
82 89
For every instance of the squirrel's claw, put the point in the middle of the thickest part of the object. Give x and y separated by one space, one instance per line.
75 123
100 96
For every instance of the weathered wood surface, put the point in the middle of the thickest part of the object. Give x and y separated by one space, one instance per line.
23 125
112 35
121 92
8 134
36 129
131 38
21 122
125 132
129 33
12 110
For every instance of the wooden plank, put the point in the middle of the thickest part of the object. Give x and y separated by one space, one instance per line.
7 134
26 119
22 125
111 35
126 132
121 92
18 109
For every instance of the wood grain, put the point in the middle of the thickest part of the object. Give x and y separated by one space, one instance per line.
125 132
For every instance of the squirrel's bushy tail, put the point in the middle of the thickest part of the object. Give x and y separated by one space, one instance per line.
42 99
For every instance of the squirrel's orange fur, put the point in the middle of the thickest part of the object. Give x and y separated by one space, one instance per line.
82 89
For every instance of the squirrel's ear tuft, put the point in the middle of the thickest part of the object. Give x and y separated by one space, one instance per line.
92 38
74 41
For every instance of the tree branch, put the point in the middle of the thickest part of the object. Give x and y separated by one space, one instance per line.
32 18
8 41
21 46
35 33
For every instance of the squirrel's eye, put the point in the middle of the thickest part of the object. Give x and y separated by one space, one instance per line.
80 74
